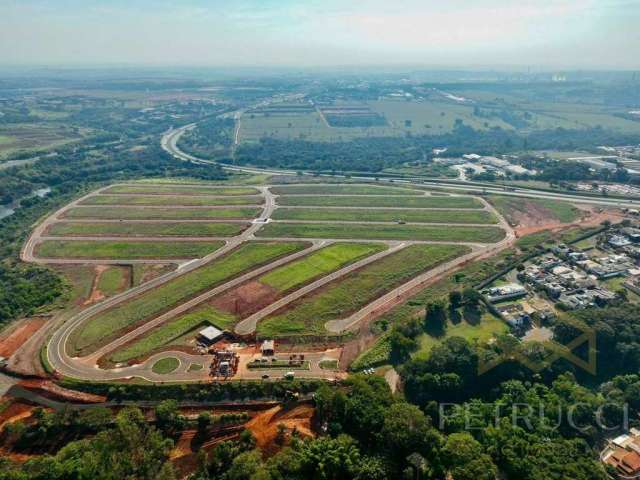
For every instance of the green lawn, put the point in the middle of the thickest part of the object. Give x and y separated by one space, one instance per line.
383 232
112 280
342 190
149 229
317 264
185 200
380 201
182 189
484 331
339 299
107 325
510 207
366 215
126 250
171 331
165 365
141 213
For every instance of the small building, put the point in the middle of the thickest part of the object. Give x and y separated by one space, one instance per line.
506 292
618 241
623 454
209 335
268 348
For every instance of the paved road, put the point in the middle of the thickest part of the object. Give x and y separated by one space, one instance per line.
248 325
170 139
56 352
182 308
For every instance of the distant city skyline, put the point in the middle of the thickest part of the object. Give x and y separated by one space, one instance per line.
562 34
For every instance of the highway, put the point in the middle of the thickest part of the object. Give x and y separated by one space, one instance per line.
86 369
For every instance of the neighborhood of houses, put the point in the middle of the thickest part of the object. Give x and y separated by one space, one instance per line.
570 278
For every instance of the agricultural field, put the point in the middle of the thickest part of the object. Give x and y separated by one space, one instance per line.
339 299
144 189
147 229
171 200
141 213
444 233
381 201
36 136
370 215
125 250
105 325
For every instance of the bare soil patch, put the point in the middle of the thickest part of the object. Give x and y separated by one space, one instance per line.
18 335
590 217
50 390
264 426
246 299
96 295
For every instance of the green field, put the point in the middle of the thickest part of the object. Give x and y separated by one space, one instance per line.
126 250
165 365
112 281
169 200
511 207
106 325
140 213
383 232
489 327
366 215
182 190
339 299
149 229
171 331
317 264
342 190
406 202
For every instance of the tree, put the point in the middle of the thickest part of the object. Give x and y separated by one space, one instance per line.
408 430
435 318
471 297
168 418
455 298
465 459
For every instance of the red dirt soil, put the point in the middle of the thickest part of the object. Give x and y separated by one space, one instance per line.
591 217
50 390
19 334
14 412
264 426
246 299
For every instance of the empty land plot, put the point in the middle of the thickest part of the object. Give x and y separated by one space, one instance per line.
343 190
380 201
519 209
169 200
104 326
113 280
446 233
141 213
367 215
148 229
317 264
181 189
170 332
343 297
165 366
125 250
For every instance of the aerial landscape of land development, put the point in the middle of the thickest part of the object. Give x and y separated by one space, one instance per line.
291 240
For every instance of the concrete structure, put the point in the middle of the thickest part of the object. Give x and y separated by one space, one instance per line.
506 292
209 335
623 454
268 348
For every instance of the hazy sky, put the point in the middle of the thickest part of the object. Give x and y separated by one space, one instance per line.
538 33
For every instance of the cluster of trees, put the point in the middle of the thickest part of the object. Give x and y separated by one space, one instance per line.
131 449
377 153
403 336
211 139
24 288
